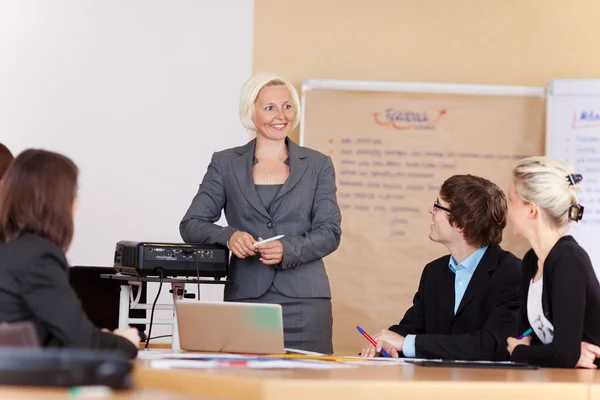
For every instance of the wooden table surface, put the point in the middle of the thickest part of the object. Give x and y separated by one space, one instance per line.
28 393
362 383
380 382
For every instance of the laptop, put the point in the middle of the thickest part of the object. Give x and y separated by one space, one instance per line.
230 327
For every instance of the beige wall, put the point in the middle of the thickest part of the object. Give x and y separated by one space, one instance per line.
509 42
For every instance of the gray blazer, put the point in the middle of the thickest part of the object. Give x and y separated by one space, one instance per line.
305 210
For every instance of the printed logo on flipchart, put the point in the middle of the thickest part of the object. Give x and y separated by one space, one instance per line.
401 119
586 119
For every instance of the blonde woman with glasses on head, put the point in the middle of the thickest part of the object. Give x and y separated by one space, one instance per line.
560 293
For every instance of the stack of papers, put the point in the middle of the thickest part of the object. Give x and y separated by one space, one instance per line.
293 359
211 361
167 359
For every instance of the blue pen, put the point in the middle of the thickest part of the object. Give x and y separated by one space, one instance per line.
373 342
526 333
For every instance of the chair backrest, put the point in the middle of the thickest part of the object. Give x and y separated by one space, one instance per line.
18 334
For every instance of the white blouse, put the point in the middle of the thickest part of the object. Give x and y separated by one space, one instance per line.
535 313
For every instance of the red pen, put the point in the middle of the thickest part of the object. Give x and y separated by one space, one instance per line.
373 342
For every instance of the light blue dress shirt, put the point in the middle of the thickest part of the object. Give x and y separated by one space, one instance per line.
463 273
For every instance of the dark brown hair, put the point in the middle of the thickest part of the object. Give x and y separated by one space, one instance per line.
37 196
6 158
478 207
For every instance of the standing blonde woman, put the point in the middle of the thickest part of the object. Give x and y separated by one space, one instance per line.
560 294
268 187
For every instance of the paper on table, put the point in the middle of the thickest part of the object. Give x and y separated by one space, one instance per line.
196 358
160 354
305 352
251 364
466 361
378 360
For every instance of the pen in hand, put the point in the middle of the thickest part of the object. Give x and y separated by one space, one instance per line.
372 341
271 239
526 333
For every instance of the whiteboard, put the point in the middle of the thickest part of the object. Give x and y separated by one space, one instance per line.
573 135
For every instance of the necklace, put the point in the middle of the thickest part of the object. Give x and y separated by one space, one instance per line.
268 178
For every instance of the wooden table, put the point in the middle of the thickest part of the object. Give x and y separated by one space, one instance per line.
378 382
365 382
595 387
28 393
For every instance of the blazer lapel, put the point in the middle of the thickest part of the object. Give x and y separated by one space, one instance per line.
477 284
242 168
298 166
446 289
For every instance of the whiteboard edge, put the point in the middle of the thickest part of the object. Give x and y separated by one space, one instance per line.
423 87
302 115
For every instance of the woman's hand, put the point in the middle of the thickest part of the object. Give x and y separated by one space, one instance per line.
270 253
241 244
131 334
589 353
513 342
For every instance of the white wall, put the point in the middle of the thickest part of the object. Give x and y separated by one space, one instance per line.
139 93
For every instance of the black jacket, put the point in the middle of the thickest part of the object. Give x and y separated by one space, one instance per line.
35 287
486 316
570 301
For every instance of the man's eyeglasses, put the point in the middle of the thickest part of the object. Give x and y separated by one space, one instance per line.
436 204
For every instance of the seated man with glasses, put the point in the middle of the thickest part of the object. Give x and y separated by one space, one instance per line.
467 301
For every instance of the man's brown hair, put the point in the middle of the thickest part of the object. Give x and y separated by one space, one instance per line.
6 158
478 207
37 195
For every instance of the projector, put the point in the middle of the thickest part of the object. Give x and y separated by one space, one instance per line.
174 259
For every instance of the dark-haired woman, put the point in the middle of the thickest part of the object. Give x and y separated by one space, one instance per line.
37 202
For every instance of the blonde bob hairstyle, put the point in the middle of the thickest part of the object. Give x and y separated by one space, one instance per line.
545 182
250 92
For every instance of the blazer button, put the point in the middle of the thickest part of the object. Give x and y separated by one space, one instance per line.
269 225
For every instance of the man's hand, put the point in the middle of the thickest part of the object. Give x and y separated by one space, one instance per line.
386 340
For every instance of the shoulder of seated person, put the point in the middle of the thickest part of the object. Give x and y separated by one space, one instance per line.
35 246
567 247
569 256
437 264
38 240
509 262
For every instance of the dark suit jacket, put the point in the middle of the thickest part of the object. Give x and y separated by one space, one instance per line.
486 316
570 301
305 210
35 287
